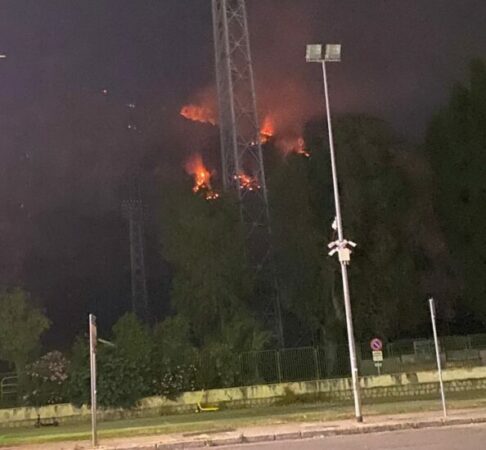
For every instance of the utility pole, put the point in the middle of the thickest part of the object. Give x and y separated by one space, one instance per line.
241 149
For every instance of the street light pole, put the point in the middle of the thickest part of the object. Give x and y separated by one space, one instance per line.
335 185
341 246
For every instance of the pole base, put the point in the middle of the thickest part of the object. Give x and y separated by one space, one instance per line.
359 419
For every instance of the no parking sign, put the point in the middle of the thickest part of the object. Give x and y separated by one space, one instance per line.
376 349
376 345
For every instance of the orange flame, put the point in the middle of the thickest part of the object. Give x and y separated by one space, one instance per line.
197 113
268 129
247 182
202 177
287 143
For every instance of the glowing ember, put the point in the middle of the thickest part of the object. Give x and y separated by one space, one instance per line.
202 177
292 145
300 148
268 129
247 182
201 114
211 195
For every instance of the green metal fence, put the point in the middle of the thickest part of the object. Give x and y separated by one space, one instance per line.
293 364
315 363
311 363
8 389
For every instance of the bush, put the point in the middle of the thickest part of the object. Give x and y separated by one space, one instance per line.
177 380
46 380
218 366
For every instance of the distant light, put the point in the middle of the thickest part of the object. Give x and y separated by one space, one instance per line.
2 55
104 91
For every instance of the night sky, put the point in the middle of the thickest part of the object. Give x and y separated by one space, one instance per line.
63 148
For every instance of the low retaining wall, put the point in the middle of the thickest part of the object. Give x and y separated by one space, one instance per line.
383 386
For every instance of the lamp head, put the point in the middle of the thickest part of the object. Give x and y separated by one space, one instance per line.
320 53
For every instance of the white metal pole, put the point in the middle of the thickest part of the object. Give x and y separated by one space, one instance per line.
437 353
335 185
344 271
92 360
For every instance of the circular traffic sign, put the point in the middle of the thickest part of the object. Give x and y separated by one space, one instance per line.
376 344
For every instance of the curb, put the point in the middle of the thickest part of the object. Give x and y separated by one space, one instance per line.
323 432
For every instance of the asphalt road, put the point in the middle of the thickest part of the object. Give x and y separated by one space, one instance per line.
472 437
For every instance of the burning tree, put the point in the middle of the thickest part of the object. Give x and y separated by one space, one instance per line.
202 177
247 182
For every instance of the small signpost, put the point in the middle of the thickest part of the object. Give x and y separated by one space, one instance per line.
92 360
437 353
376 346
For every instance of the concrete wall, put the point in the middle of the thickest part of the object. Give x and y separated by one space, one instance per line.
383 386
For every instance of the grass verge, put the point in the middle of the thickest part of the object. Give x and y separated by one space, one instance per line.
231 419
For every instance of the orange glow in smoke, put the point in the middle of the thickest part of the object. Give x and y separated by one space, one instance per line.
292 145
300 148
197 113
202 177
285 143
268 129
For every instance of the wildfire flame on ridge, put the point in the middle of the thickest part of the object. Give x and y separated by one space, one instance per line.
197 113
286 144
268 129
205 113
202 177
247 182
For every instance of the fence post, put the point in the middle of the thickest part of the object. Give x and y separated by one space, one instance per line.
316 362
242 376
279 368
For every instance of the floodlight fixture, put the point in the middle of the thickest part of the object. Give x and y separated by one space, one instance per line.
313 53
323 53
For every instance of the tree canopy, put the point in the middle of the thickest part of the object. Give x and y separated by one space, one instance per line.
21 329
456 148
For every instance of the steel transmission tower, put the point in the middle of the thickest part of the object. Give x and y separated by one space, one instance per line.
134 211
241 149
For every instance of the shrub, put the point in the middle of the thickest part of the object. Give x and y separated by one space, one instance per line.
46 380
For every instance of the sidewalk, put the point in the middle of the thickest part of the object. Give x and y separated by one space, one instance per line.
275 432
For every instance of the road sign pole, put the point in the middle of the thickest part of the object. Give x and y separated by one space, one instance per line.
92 360
437 353
376 346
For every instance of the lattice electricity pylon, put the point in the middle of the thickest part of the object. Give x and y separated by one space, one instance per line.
134 211
241 150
